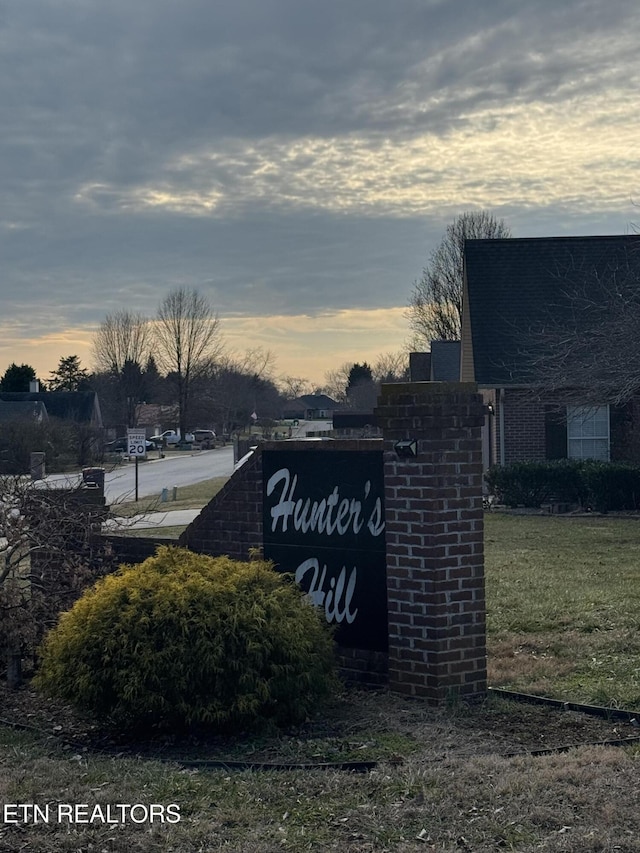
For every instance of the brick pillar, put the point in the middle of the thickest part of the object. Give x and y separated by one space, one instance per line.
434 533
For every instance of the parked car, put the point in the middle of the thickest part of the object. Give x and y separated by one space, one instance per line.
205 437
169 437
119 445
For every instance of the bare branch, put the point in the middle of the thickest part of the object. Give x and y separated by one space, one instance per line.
586 343
435 306
49 554
122 338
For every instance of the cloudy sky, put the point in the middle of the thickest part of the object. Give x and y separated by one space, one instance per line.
295 161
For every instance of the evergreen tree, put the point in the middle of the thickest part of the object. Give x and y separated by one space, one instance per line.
69 376
17 378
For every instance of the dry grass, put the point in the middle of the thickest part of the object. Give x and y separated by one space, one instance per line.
195 496
563 600
443 783
564 611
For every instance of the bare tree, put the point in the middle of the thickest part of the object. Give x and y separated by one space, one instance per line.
49 554
388 367
435 306
236 386
391 367
257 361
293 387
586 343
121 346
122 337
336 382
187 341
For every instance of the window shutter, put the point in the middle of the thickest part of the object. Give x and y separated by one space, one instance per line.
620 428
555 432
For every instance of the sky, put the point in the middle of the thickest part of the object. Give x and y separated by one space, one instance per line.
294 161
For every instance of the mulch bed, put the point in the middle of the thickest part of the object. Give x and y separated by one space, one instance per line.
358 723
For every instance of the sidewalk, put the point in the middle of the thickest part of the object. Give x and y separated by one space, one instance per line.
153 519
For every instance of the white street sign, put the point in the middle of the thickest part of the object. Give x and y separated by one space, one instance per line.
136 443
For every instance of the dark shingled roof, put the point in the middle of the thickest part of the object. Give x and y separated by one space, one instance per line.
72 405
515 284
22 410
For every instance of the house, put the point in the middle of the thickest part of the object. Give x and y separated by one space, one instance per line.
154 418
80 407
350 423
512 287
23 410
311 407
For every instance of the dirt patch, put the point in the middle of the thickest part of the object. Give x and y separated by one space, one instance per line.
357 725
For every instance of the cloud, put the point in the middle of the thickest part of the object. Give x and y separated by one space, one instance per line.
294 159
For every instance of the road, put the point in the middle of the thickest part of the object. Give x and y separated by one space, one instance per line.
178 468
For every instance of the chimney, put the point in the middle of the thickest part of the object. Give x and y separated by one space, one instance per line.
34 386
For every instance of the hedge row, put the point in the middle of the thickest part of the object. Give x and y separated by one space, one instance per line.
602 486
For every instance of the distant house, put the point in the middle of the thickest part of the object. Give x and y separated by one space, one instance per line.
311 407
510 288
155 418
80 407
350 423
34 412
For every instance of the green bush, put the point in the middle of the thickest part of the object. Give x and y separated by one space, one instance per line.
603 486
612 485
185 639
530 484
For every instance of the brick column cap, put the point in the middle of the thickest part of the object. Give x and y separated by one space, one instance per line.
432 389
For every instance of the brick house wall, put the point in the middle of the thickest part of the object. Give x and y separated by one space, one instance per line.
524 427
528 423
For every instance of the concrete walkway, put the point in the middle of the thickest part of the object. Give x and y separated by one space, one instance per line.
153 519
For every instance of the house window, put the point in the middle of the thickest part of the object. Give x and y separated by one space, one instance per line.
588 432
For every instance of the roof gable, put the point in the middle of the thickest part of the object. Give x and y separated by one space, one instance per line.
514 285
318 401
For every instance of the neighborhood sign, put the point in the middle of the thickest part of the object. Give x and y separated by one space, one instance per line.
324 522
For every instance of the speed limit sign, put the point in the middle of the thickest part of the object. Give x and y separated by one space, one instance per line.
136 443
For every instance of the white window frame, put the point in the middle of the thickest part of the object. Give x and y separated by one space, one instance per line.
587 425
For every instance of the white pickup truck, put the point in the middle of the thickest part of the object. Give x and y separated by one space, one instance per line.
170 436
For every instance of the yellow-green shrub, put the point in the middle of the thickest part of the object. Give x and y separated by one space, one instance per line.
185 639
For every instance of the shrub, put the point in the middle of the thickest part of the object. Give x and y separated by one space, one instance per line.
605 486
612 485
530 484
185 639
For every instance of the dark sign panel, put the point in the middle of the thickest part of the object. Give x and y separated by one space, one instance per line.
324 523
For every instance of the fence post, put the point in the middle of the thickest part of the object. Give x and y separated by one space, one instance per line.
434 533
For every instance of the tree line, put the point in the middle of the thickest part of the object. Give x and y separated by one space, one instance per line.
178 359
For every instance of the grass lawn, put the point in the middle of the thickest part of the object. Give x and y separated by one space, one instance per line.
563 618
194 496
563 601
